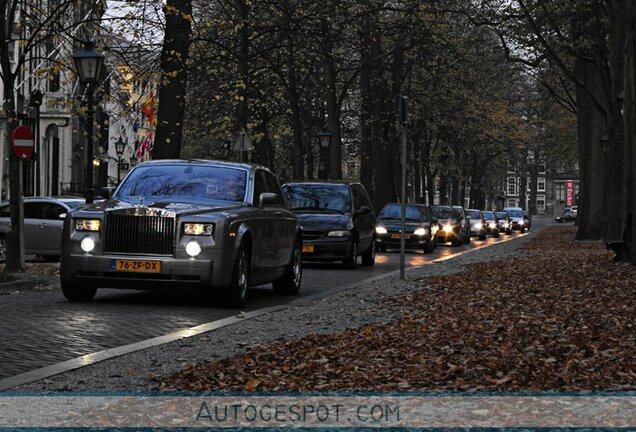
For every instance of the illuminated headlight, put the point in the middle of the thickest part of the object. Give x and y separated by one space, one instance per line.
338 234
420 232
521 222
193 249
87 244
492 225
198 229
87 225
505 224
448 228
380 230
479 225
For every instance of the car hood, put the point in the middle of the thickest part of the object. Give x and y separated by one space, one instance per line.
448 221
323 222
516 219
158 207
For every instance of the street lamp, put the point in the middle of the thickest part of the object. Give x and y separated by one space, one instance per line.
88 63
120 145
324 138
133 161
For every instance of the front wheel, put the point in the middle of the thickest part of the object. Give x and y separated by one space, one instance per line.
236 295
3 249
429 246
368 258
77 294
289 282
352 260
482 235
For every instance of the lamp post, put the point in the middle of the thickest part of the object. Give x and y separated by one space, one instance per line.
36 102
324 138
133 161
88 63
120 145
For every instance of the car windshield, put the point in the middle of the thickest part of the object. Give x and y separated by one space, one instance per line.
474 214
443 212
488 215
501 215
515 213
185 181
394 211
318 197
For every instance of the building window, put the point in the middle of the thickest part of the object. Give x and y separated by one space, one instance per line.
512 186
541 203
542 168
541 184
559 192
512 202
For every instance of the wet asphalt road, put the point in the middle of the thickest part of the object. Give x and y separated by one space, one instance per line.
40 328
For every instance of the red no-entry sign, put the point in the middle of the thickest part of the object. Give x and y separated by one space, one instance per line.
22 142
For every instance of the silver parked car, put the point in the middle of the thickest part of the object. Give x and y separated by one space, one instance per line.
217 227
43 222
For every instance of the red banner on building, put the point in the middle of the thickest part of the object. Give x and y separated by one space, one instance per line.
569 193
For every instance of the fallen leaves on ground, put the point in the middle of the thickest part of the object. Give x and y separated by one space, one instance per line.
560 318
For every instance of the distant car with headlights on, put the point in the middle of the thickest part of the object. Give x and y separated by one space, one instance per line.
215 227
517 219
337 220
569 215
477 223
450 225
503 221
490 223
420 227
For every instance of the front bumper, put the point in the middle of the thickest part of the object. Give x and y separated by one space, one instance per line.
411 241
326 249
444 236
213 270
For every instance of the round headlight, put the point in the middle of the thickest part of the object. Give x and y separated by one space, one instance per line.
478 225
87 244
448 228
420 232
193 249
380 230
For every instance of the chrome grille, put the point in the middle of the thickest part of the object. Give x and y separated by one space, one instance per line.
125 234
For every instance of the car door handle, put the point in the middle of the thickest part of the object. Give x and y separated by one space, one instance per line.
43 225
277 213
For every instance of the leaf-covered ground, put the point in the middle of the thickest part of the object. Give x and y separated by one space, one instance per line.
560 318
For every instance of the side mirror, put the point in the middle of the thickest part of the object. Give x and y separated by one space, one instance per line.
435 220
107 192
364 210
266 198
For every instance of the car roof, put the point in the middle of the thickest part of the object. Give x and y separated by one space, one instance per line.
322 182
206 162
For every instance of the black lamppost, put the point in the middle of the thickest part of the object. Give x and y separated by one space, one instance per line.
324 139
133 161
88 63
120 145
36 102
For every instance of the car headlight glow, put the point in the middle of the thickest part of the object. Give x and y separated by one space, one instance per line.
380 230
193 248
338 234
448 228
87 225
479 225
492 224
420 232
87 244
521 222
198 229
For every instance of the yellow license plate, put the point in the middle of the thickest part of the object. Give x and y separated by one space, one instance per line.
137 266
308 249
397 236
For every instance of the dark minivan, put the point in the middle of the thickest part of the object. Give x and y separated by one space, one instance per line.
337 221
420 227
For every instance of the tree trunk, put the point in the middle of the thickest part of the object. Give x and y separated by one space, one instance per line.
366 103
174 79
630 127
590 125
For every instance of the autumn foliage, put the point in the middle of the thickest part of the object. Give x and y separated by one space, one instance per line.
560 317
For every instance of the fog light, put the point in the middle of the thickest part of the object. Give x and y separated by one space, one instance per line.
193 249
87 244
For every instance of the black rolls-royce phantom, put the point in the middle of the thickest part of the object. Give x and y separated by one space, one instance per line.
216 226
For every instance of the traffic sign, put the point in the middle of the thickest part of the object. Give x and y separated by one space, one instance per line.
243 142
22 142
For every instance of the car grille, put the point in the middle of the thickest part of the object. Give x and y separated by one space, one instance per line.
153 235
312 235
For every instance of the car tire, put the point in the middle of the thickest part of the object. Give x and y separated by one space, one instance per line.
522 230
429 246
368 258
482 235
496 234
289 283
77 294
509 231
236 295
456 242
351 261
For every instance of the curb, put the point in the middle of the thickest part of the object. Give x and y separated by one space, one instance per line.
17 285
